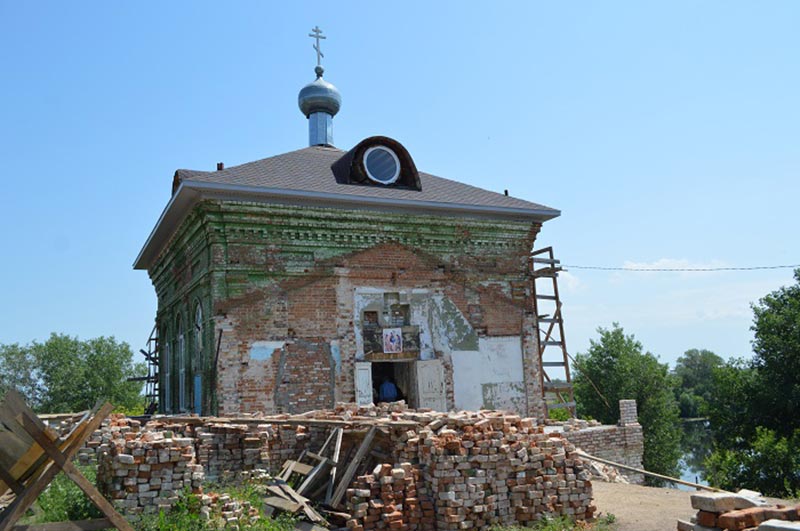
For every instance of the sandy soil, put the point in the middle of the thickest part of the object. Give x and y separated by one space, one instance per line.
642 508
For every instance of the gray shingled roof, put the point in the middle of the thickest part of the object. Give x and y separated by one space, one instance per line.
309 170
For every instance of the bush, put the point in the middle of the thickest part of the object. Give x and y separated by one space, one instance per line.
558 414
63 500
770 464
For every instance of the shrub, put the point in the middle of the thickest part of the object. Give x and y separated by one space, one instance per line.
63 500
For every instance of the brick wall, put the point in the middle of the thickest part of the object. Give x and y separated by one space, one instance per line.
623 443
269 273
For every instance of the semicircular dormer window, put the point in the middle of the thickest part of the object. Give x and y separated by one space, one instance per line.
382 164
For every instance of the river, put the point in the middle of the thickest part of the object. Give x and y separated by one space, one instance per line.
695 447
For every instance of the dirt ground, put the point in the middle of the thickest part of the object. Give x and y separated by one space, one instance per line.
642 508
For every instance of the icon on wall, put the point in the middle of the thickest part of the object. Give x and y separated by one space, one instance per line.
392 340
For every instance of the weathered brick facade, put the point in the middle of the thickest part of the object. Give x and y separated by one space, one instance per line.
269 305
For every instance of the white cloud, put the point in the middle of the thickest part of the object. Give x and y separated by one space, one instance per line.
570 282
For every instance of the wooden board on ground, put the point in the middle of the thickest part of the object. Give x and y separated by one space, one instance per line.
282 504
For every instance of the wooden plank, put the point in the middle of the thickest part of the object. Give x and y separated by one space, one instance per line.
10 481
309 511
34 427
312 477
45 472
288 471
283 504
324 446
308 526
301 468
277 491
322 458
553 386
75 525
347 477
337 449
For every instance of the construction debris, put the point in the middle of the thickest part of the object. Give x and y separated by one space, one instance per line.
364 467
743 511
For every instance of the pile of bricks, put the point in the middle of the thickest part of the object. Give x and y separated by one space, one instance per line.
228 512
502 470
481 469
145 472
390 497
226 449
744 511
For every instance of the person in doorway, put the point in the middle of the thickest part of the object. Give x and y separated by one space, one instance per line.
388 390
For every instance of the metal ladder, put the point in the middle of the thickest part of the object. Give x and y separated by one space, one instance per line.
557 393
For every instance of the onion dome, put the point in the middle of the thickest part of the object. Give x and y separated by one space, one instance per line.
319 96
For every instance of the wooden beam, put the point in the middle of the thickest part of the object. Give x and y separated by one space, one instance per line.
45 472
337 449
347 477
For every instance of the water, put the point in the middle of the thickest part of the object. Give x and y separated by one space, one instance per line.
695 447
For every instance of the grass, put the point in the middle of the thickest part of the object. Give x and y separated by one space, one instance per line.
63 501
563 523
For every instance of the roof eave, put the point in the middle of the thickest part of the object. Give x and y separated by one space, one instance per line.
189 192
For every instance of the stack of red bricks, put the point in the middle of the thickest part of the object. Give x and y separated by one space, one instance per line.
224 449
482 469
738 512
390 498
146 471
501 469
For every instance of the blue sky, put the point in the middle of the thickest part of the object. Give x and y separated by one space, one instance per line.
666 132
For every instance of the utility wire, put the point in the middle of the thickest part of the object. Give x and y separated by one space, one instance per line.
681 269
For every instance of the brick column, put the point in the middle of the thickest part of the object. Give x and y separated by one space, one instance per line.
628 414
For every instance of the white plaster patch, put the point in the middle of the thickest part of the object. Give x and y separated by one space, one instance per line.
498 361
263 350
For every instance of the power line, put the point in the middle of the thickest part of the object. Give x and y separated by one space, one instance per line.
682 269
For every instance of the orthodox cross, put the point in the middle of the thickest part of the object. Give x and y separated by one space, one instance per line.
317 34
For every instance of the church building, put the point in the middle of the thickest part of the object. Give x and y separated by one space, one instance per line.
303 279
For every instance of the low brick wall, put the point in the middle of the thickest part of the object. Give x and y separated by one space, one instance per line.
623 443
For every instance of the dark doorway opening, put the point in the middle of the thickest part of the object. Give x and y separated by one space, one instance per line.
399 372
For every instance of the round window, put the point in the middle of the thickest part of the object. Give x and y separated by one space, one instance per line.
382 164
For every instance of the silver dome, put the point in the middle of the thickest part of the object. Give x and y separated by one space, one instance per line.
319 96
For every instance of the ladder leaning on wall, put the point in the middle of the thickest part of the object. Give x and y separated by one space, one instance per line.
553 354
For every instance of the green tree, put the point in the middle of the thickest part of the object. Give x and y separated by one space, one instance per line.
776 327
66 374
769 463
695 377
618 367
17 371
755 406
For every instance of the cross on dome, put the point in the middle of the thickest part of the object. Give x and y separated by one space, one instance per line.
316 33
